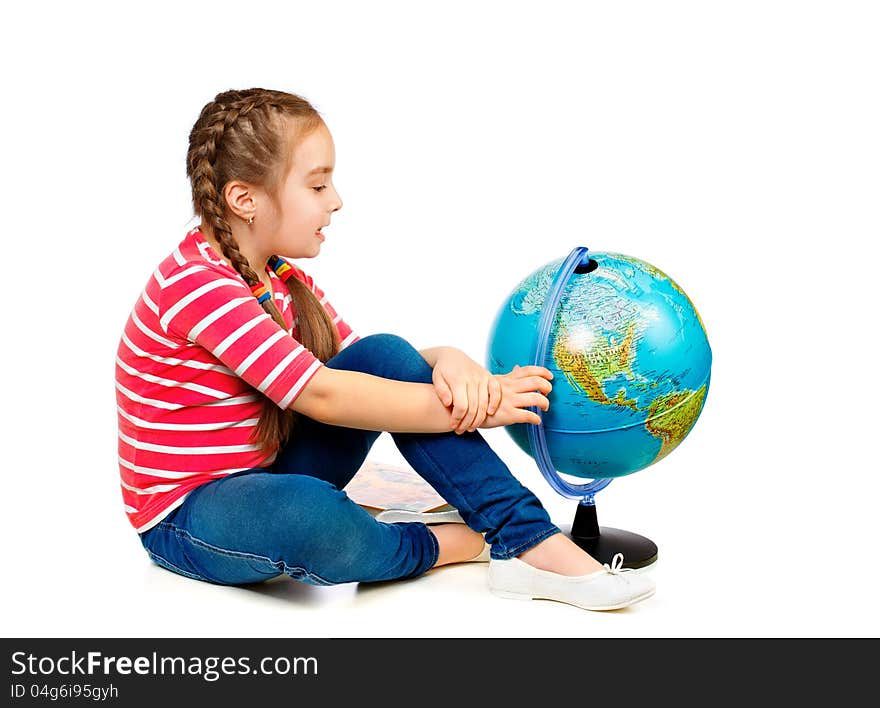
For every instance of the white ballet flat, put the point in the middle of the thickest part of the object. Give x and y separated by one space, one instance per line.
446 515
611 588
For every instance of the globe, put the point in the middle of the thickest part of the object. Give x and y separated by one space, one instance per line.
630 359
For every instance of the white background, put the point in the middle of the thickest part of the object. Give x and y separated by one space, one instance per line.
733 145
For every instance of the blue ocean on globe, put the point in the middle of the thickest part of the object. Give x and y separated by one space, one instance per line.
630 358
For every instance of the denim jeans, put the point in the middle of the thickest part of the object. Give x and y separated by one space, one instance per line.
293 517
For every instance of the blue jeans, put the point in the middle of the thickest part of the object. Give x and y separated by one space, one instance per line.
293 518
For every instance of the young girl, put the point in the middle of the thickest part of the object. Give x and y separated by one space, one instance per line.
246 403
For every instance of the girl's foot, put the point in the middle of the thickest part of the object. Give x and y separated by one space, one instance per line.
458 543
559 554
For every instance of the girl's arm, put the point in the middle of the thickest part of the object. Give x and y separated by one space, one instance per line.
353 399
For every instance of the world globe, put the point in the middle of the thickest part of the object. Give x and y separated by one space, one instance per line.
630 360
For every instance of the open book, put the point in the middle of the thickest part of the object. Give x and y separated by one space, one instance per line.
378 486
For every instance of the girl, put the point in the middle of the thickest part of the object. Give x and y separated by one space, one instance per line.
246 403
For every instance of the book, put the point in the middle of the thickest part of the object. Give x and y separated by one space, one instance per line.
378 486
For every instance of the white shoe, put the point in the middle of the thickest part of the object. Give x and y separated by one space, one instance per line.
446 515
608 589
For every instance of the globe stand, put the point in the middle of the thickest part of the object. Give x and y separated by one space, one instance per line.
601 543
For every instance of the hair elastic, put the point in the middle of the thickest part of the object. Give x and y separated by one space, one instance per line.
261 292
282 268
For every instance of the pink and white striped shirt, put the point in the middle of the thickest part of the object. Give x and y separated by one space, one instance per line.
194 352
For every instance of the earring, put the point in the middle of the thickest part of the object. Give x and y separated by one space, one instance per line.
250 221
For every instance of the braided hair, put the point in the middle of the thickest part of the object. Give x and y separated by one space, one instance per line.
250 135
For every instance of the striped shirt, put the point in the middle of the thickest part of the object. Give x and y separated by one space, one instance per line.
195 351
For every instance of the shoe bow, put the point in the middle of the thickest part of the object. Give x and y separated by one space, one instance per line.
616 567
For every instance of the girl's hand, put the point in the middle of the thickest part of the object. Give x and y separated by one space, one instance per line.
467 388
519 390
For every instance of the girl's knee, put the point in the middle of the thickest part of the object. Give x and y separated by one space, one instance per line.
386 342
390 356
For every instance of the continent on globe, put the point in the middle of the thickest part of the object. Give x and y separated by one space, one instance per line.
588 368
671 417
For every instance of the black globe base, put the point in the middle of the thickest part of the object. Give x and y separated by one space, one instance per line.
604 542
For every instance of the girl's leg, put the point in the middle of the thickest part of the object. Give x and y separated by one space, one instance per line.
462 468
254 525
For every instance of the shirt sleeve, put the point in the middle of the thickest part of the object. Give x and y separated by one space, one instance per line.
347 336
217 311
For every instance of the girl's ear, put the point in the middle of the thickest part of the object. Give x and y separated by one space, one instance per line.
240 198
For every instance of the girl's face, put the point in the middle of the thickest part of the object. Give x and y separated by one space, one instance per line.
308 198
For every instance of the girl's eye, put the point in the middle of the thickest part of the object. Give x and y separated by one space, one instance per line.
318 189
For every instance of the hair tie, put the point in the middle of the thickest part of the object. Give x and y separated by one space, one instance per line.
282 268
261 292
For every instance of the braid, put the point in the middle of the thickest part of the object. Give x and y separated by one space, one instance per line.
237 136
234 256
204 181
